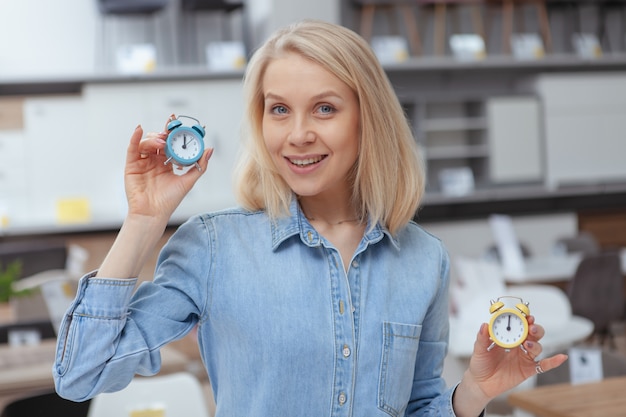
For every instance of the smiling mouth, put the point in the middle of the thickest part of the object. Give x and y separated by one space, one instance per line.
306 162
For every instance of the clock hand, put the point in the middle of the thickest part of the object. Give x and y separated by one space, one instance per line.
508 327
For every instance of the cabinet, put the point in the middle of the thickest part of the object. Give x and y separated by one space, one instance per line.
115 109
13 184
584 124
497 138
42 157
515 140
12 168
60 155
452 134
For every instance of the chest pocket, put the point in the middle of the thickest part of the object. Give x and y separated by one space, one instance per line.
400 343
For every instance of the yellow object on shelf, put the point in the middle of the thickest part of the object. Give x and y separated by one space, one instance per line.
73 210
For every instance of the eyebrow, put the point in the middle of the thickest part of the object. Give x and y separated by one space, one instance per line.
320 96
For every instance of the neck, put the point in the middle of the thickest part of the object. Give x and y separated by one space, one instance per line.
330 216
335 222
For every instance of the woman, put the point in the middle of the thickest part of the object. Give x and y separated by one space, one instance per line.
319 296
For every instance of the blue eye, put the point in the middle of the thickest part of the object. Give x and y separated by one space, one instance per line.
326 108
279 110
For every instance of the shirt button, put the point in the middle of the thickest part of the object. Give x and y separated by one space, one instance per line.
342 398
355 264
346 351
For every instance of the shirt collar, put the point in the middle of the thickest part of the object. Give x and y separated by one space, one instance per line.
296 224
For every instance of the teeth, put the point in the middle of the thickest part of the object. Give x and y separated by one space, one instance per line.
305 162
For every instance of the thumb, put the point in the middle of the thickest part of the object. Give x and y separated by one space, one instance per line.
194 174
482 338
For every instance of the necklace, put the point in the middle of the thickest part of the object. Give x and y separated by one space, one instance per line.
312 219
350 220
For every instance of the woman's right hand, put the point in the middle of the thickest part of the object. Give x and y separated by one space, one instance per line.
152 188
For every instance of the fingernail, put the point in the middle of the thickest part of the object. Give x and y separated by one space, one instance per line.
533 329
138 126
529 344
159 140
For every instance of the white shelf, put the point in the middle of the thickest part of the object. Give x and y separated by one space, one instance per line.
457 152
456 124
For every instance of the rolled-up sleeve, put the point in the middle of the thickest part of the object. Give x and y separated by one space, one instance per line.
87 358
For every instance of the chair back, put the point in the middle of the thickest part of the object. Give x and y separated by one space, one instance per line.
583 243
178 394
45 404
34 255
479 281
597 290
548 304
212 5
131 7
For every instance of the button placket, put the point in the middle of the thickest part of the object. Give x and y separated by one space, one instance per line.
344 335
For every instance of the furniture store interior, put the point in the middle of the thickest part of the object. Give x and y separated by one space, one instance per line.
517 107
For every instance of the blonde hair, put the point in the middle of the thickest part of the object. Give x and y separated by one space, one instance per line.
388 176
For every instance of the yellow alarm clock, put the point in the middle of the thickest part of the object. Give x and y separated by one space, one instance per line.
508 327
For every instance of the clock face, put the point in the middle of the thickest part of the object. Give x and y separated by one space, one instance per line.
508 329
185 146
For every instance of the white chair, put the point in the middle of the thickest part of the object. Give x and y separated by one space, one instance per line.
478 282
178 394
481 281
553 310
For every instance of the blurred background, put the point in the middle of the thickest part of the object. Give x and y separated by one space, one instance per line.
517 105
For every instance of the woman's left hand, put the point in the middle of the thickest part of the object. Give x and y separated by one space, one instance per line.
498 370
495 371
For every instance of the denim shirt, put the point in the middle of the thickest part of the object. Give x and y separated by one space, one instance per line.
283 330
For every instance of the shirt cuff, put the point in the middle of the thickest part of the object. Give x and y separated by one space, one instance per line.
106 298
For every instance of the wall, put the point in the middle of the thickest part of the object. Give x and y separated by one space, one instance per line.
64 37
268 15
47 37
55 40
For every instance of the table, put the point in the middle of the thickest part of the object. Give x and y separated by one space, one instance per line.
550 269
544 269
556 270
34 376
605 398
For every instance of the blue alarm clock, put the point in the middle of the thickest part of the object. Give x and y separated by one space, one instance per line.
184 145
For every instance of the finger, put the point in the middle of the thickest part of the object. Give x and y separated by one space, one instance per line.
172 117
133 147
532 348
547 364
536 332
193 174
206 156
482 338
153 143
204 161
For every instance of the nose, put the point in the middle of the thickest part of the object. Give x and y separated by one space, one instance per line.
301 131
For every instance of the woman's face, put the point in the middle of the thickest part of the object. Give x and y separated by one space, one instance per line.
310 126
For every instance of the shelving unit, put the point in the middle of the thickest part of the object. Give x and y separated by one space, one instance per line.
463 114
452 134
